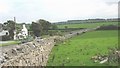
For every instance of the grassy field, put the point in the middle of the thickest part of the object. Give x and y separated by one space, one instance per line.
6 43
86 25
78 50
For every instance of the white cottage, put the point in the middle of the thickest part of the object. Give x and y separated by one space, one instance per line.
23 33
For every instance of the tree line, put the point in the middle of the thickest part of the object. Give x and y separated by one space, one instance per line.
38 28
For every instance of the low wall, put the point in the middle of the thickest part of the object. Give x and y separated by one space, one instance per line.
29 54
33 53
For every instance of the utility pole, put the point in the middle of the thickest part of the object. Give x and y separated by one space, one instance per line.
15 19
15 37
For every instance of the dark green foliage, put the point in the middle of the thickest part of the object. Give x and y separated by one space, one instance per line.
66 27
5 38
36 28
10 26
54 26
41 27
45 24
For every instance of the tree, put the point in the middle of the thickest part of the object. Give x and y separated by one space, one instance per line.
45 25
54 26
36 28
10 26
40 27
66 27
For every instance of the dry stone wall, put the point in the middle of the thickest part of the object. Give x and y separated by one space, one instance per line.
33 53
29 54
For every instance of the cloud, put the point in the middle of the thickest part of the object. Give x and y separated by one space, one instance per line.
57 10
107 10
80 9
4 8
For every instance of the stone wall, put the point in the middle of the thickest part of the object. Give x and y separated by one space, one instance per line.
29 54
33 53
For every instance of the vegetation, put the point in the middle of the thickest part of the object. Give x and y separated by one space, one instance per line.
78 50
85 25
6 43
10 26
36 28
41 27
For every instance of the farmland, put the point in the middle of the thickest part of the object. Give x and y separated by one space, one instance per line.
86 25
6 43
71 48
78 50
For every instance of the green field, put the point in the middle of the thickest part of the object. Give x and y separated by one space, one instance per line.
86 25
6 43
78 50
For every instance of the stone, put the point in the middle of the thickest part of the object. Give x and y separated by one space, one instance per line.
2 59
105 60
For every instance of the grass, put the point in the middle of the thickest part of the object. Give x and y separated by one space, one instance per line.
78 50
9 43
86 25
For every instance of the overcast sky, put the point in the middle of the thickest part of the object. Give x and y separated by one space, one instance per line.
57 10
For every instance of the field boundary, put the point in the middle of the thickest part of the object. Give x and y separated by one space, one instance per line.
34 53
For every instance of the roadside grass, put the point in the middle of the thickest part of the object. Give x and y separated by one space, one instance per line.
45 36
6 43
78 50
86 25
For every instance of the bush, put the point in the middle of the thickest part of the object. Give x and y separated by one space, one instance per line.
5 38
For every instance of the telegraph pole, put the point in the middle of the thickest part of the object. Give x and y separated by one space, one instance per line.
15 37
15 19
